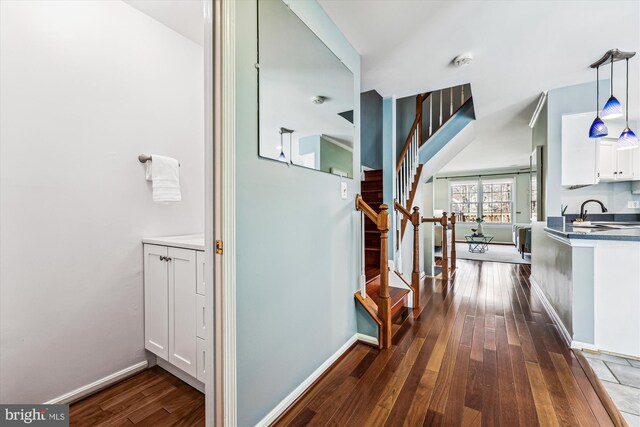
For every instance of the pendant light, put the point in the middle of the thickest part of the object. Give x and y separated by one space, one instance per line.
628 139
612 109
282 157
598 128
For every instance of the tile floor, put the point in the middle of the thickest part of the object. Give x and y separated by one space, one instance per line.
621 378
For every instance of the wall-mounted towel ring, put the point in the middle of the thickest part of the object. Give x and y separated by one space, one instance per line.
144 158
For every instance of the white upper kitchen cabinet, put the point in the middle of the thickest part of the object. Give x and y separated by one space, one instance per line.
579 152
614 164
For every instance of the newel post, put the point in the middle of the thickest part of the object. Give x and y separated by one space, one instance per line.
384 305
453 242
415 274
445 250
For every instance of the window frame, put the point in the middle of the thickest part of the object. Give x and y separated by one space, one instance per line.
480 182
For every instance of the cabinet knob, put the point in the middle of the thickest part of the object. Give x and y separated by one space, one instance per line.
168 258
162 258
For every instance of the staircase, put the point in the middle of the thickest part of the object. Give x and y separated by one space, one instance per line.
385 303
372 195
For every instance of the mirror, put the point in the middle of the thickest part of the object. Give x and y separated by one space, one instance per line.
536 186
306 95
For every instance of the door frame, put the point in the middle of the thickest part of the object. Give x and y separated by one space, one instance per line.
220 384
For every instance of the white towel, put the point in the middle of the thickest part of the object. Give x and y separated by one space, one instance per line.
164 173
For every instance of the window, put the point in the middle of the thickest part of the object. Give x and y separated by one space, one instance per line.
534 197
496 198
464 200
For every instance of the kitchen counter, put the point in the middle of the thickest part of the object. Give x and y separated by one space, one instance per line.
570 232
187 241
589 279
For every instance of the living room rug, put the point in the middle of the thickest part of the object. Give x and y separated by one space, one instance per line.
495 253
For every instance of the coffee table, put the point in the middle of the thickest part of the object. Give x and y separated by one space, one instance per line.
478 244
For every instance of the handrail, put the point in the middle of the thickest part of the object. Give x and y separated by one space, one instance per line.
383 224
361 205
418 119
402 209
443 220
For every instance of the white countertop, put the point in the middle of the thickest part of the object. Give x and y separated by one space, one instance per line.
186 241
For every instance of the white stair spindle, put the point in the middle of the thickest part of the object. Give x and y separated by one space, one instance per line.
441 96
451 105
430 114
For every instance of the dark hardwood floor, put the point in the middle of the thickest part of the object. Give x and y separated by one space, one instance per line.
480 351
151 398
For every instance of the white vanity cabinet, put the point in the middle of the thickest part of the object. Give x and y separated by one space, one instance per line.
175 312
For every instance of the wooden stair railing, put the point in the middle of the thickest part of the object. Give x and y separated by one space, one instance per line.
445 251
433 110
416 220
452 220
383 312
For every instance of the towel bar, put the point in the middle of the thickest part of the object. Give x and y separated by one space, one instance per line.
143 158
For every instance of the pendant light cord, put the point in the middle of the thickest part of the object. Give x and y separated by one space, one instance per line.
611 75
627 101
597 89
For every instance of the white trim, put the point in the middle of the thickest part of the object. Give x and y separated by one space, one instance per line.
229 375
367 339
287 401
579 345
212 381
559 238
564 333
179 373
536 112
98 385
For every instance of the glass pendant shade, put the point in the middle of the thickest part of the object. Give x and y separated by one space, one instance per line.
282 156
598 129
612 109
628 140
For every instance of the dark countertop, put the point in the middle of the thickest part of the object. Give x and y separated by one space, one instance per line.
569 232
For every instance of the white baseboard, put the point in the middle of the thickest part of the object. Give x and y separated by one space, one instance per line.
282 406
98 385
564 333
579 345
179 373
367 339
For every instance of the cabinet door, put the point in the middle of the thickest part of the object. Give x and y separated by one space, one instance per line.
607 163
201 317
625 164
156 301
202 357
200 273
182 309
579 153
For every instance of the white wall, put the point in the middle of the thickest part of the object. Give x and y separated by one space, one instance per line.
86 87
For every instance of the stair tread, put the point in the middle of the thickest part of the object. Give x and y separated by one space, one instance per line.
396 294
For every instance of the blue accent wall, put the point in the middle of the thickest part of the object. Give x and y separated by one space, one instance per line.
371 129
297 241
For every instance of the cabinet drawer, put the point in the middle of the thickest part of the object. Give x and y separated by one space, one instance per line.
200 277
201 325
201 359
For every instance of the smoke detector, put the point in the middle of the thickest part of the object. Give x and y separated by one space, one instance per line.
318 99
462 60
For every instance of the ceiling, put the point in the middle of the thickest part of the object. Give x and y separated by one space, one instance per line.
186 17
520 48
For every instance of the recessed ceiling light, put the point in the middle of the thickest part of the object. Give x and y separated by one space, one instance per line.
462 60
318 99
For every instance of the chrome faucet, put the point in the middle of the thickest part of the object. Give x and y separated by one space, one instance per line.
583 213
